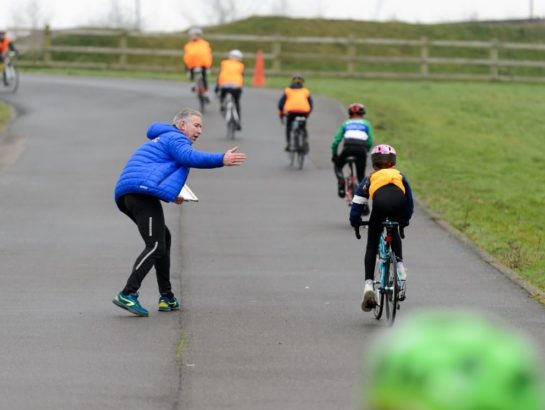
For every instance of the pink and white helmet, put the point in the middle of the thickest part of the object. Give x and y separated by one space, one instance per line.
383 156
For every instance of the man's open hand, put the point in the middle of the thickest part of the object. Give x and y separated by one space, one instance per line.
233 158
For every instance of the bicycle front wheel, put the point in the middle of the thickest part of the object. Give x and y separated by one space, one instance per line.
10 77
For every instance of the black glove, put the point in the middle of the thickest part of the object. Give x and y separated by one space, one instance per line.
355 222
334 158
365 210
402 226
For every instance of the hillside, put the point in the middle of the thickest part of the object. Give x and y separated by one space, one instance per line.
523 31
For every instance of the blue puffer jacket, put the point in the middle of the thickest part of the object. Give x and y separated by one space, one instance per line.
160 167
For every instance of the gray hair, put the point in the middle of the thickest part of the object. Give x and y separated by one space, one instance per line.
185 115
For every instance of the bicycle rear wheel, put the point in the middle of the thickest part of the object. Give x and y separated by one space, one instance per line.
301 151
393 290
379 295
292 147
231 128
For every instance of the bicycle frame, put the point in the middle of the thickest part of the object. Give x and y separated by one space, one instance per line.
388 284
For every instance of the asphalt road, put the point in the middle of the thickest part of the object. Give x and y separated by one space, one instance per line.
268 269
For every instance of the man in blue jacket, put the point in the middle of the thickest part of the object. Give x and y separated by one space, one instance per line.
156 172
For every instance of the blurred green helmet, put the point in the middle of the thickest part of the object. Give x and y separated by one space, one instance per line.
452 361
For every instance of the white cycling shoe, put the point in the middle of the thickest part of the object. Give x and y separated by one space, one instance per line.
368 301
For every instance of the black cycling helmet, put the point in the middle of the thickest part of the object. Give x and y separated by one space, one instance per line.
297 79
356 110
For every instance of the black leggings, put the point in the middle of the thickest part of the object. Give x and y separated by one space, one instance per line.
147 213
388 202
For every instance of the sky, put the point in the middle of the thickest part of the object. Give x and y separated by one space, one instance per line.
177 15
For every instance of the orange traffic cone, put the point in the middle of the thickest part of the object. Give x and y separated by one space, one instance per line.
259 73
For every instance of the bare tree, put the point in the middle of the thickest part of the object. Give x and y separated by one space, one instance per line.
29 14
218 11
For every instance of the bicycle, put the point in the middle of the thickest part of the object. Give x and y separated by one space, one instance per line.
231 115
351 182
10 75
387 284
199 89
298 146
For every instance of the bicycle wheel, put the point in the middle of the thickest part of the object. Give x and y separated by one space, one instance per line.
350 187
301 150
231 128
10 77
199 87
293 147
379 294
393 290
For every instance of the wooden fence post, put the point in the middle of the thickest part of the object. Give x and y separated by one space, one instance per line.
494 60
351 54
424 55
47 45
276 51
123 43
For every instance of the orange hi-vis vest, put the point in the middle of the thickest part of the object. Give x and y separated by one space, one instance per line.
231 73
384 177
4 44
297 100
197 53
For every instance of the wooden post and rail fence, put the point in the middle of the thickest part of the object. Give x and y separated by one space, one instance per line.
351 57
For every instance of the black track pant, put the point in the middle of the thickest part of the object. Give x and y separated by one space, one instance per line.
388 202
147 212
290 117
352 150
235 92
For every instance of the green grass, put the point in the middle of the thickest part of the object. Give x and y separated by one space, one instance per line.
473 153
5 115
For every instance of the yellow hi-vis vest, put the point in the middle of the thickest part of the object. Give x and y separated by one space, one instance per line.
297 100
384 177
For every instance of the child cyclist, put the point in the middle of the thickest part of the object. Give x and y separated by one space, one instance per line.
295 101
392 198
356 133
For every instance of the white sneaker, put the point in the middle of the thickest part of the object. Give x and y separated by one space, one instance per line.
401 271
368 301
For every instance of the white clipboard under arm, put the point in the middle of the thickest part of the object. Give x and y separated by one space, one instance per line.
187 194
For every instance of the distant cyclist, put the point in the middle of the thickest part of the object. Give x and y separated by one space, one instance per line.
198 54
356 133
392 199
6 45
452 360
231 79
296 101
